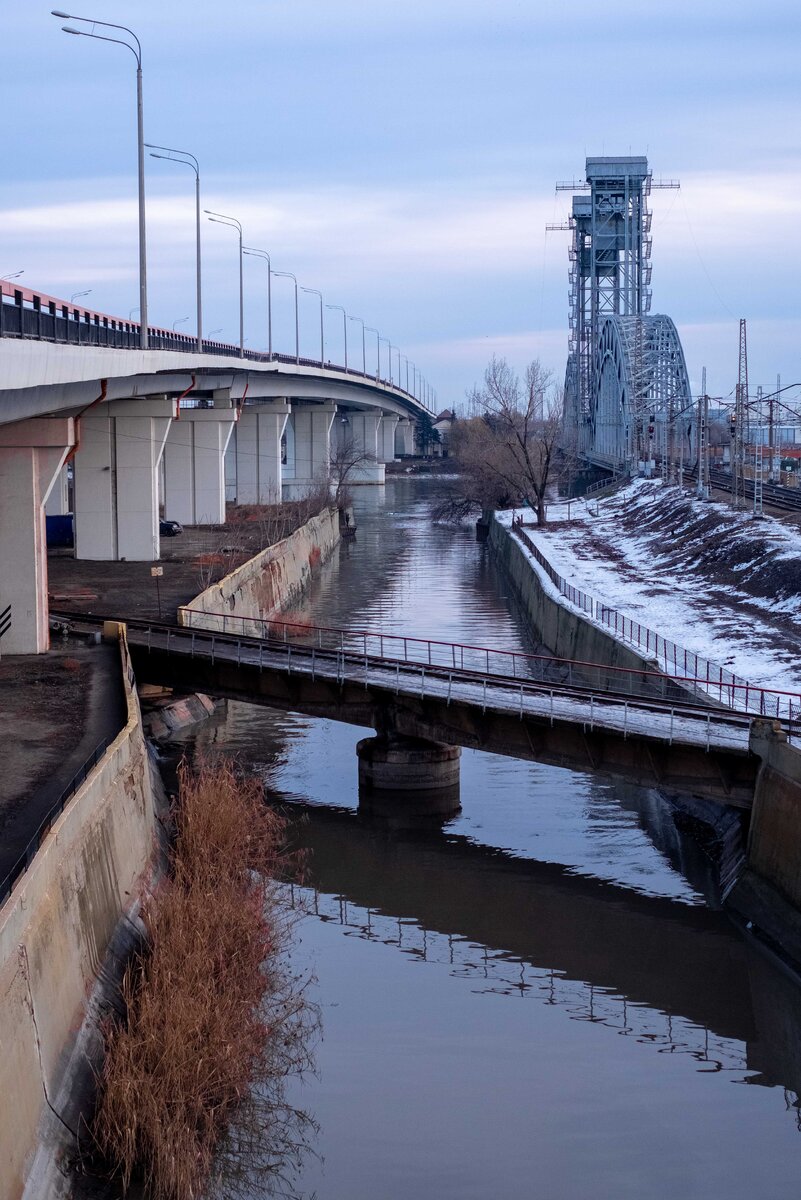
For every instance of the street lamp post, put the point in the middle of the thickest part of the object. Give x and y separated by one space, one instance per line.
256 253
314 292
289 275
180 321
370 329
188 160
140 141
12 275
364 347
221 219
75 295
389 355
344 328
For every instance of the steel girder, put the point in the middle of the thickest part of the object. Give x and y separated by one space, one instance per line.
640 378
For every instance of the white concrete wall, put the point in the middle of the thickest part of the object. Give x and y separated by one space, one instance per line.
266 584
55 928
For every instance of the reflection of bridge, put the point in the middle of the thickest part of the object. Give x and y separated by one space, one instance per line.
678 960
94 426
626 381
633 725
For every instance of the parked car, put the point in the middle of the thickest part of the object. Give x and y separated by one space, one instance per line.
170 528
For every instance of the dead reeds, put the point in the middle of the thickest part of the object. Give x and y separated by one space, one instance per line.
214 1021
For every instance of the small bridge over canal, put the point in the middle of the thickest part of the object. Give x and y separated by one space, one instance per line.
644 726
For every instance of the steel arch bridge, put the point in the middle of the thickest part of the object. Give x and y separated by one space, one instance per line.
626 383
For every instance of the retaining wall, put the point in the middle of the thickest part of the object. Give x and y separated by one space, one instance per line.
55 930
272 580
774 839
565 632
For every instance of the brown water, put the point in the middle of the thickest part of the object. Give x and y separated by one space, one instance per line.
538 998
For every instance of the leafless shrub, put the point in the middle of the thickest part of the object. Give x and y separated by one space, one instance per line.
191 1092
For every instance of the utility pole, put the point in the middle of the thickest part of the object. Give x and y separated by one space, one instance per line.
772 432
738 432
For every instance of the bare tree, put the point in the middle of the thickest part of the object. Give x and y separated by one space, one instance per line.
345 459
508 453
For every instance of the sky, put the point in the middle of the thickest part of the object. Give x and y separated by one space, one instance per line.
401 158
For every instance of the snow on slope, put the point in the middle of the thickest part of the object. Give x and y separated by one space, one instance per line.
714 581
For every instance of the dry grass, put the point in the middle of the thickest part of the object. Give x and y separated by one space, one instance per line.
191 1086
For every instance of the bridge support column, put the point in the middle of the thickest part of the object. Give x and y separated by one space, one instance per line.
363 429
116 480
58 503
308 435
404 437
32 454
194 466
403 776
386 437
256 451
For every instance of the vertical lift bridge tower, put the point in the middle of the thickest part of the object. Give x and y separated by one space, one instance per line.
626 373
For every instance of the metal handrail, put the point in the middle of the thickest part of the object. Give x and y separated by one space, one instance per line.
46 318
768 702
700 671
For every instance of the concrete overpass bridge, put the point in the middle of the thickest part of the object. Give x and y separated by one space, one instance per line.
93 424
643 727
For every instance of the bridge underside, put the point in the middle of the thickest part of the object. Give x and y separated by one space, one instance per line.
727 777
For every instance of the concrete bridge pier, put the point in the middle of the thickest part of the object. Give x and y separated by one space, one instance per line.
404 437
363 428
58 504
256 452
308 443
386 437
32 455
408 777
117 479
194 465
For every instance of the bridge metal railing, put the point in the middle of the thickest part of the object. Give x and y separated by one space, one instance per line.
29 315
679 663
26 858
669 686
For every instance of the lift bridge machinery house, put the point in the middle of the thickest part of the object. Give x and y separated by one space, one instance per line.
626 384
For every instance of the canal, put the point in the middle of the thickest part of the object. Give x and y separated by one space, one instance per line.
539 997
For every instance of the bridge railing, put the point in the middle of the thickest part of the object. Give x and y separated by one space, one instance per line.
679 663
25 314
502 665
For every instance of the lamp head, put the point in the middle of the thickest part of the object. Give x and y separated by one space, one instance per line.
56 12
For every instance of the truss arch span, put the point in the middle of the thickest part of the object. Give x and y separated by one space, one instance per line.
640 377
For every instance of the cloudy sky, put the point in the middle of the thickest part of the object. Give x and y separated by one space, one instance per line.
402 159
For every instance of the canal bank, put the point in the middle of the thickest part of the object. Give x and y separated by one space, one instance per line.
70 921
759 850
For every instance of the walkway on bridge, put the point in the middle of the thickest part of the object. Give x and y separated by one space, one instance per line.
576 715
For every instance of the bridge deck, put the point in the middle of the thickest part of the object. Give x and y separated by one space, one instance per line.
678 745
652 720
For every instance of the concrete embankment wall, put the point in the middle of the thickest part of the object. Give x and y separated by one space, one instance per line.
55 930
768 893
565 632
272 580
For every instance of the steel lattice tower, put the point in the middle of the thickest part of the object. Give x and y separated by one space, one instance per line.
610 277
